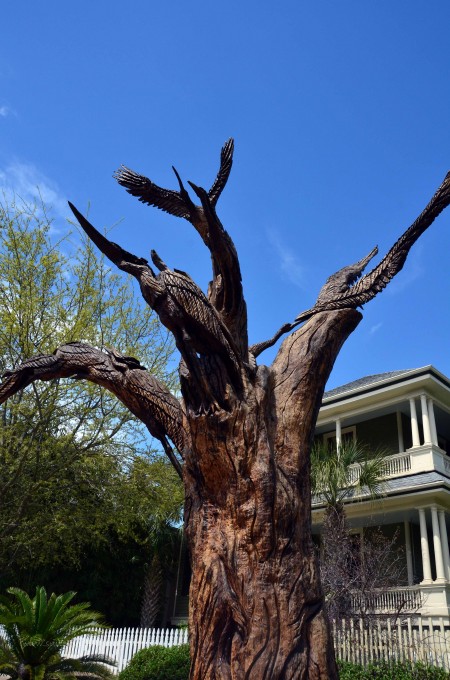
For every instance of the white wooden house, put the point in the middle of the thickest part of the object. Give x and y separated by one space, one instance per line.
408 413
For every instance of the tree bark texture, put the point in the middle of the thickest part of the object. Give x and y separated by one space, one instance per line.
241 435
257 602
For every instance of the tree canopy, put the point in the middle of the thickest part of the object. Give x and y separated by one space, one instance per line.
79 471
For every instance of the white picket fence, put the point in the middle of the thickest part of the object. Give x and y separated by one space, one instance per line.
121 644
422 639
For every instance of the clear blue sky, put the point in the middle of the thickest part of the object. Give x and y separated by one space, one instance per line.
341 116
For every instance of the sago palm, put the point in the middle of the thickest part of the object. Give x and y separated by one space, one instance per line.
34 632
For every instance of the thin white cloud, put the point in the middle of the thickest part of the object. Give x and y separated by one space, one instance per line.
24 180
6 110
375 328
289 263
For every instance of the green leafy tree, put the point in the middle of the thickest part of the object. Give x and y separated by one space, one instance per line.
76 468
164 540
35 631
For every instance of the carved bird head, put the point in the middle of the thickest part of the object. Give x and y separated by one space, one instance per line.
340 281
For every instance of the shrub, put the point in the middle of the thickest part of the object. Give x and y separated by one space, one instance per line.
159 663
391 671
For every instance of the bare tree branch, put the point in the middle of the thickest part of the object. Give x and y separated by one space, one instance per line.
259 347
145 396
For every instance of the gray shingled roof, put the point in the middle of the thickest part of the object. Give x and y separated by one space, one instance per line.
364 382
420 481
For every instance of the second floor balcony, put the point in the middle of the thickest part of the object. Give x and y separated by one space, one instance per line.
405 413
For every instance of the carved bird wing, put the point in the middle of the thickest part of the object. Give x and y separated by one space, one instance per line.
375 281
112 250
194 302
163 409
176 203
18 378
150 193
226 161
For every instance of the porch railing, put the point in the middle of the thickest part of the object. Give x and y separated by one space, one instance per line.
393 466
407 599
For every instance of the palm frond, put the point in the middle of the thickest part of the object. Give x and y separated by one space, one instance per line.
349 470
36 629
92 666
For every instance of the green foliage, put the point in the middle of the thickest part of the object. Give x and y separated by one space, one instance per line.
391 671
117 540
78 481
159 663
35 632
331 471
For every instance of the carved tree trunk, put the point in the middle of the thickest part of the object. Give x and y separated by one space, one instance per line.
242 436
257 608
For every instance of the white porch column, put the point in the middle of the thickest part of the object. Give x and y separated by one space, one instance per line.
424 547
414 425
444 540
409 562
338 434
434 439
425 420
438 557
401 445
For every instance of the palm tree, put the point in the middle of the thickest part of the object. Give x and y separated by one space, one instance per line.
352 470
163 541
346 472
34 632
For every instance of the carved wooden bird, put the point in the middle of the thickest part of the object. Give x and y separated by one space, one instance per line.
180 304
337 287
179 202
124 376
339 294
339 282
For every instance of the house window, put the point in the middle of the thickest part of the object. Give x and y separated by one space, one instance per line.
348 434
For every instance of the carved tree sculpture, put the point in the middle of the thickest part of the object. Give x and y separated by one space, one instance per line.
240 438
